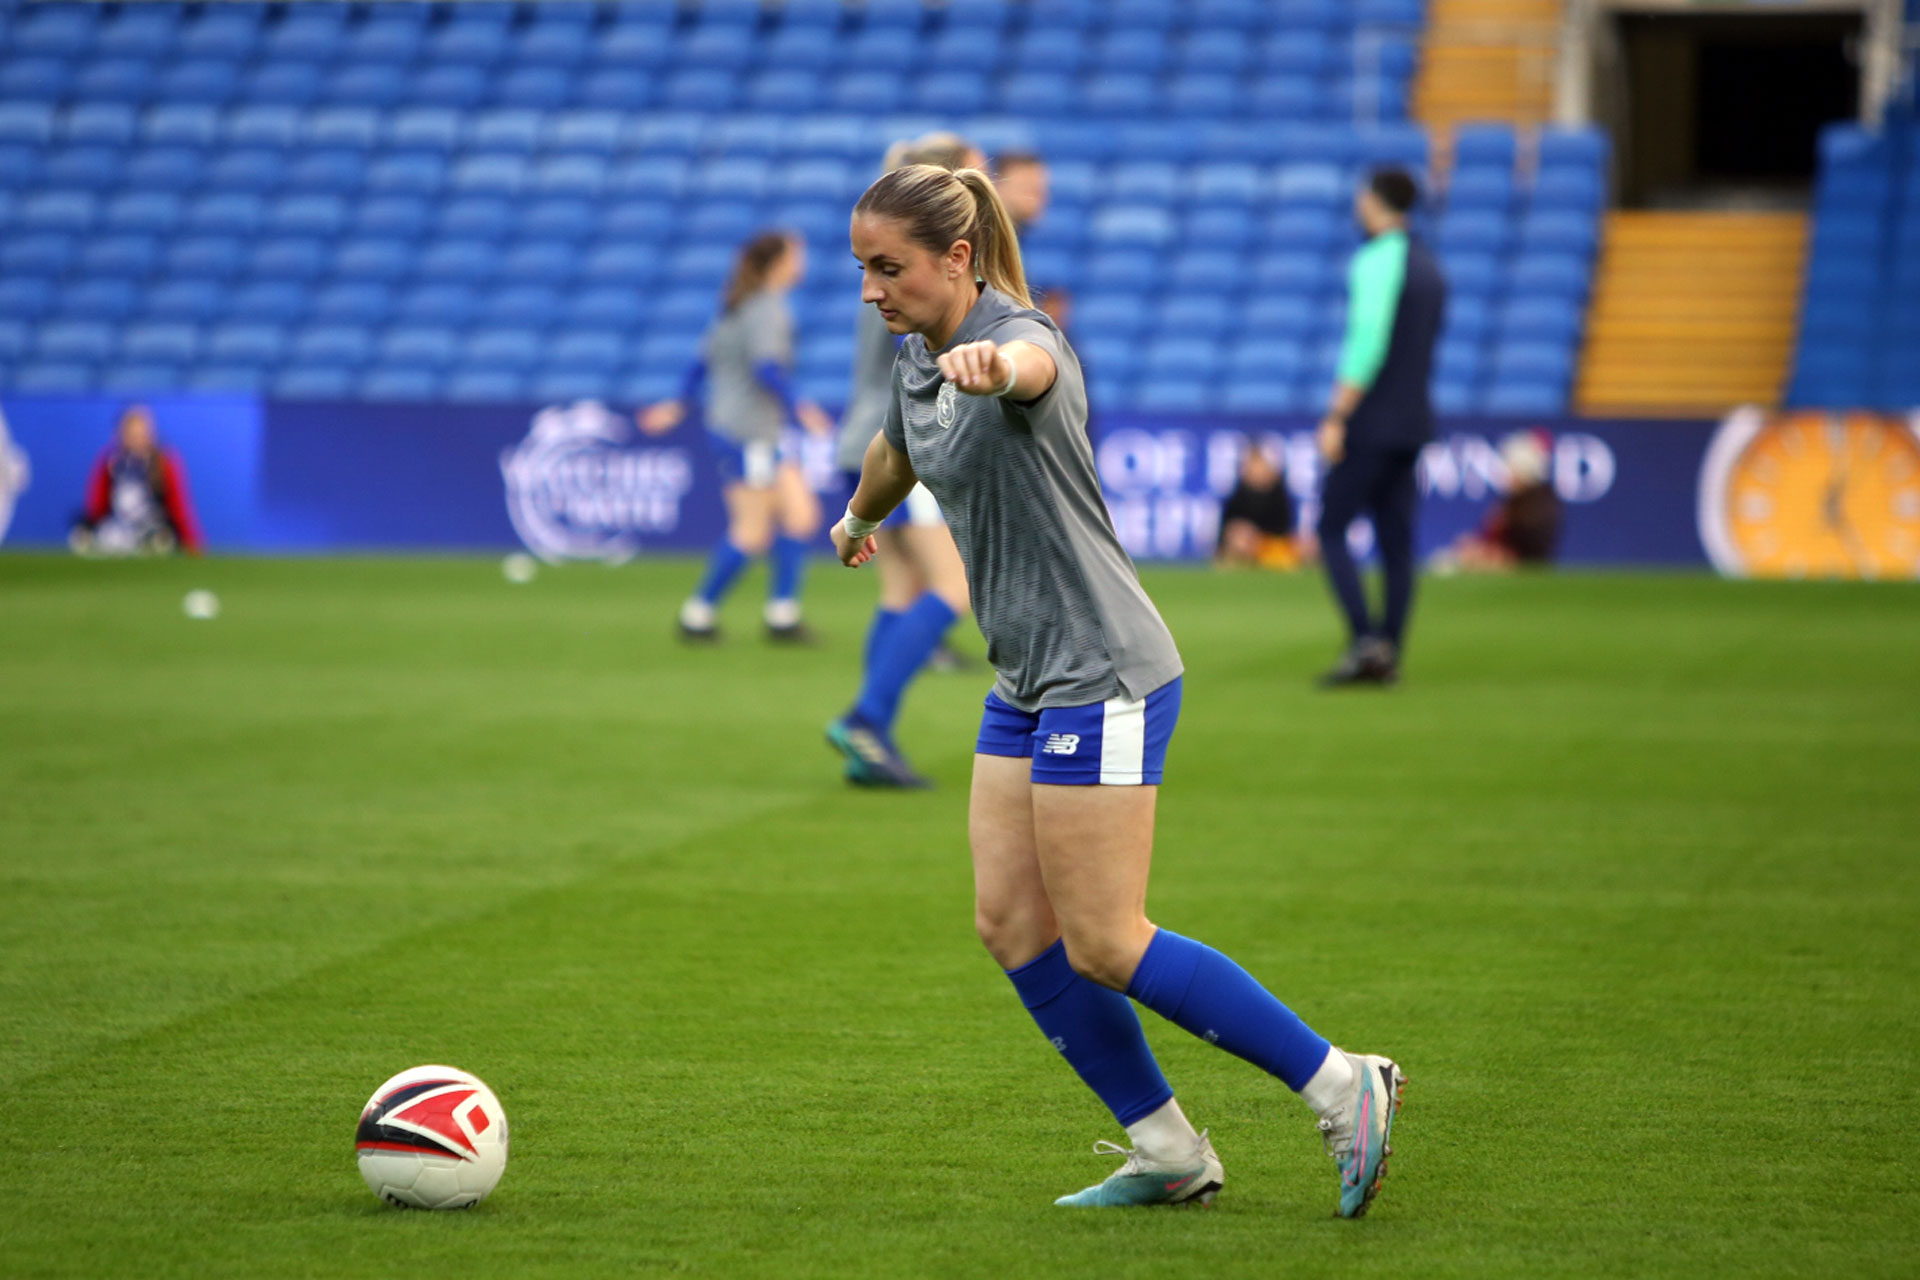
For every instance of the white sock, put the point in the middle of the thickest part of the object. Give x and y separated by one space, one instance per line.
696 614
783 613
1331 1085
1165 1136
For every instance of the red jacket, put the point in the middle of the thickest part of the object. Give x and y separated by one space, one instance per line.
165 476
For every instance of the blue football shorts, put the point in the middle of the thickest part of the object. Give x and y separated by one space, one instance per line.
1121 742
751 463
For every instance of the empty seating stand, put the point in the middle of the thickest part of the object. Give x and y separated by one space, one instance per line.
478 201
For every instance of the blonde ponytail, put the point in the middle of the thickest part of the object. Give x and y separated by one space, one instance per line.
940 206
996 254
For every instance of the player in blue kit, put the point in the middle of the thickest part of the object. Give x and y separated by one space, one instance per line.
989 411
748 359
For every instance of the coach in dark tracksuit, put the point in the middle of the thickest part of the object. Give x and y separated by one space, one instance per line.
1380 417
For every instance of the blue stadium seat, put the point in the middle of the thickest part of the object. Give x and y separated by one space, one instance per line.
448 86
1403 144
544 87
1541 319
571 383
248 171
1267 359
1480 189
1281 316
575 175
424 129
800 49
89 341
1204 93
1215 51
616 88
180 124
1560 231
485 384
373 258
1469 317
1455 395
423 346
1306 274
53 377
261 125
1318 184
1460 360
204 257
126 256
288 258
1524 360
354 302
313 382
599 349
737 179
407 173
96 299
221 31
1472 274
106 124
607 306
139 379
1262 395
1310 230
390 215
1544 274
1220 226
1057 49
244 344
503 347
539 262
498 173
398 383
784 90
1573 148
962 49
1144 182
1129 50
1119 94
233 212
345 346
558 216
640 218
310 214
283 83
69 211
114 80
1525 398
465 259
1298 52
1138 224
1211 271
1125 311
310 34
556 40
59 31
26 122
348 127
326 171
1475 230
1174 395
185 299
715 46
1490 146
276 301
951 92
488 217
35 79
1578 190
207 80
866 91
506 129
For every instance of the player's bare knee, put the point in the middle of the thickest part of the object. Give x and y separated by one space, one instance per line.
1102 960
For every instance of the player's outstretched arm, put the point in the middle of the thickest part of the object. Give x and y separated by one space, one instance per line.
1018 370
886 477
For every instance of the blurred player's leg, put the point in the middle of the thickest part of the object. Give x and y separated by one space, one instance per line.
749 528
798 517
1395 503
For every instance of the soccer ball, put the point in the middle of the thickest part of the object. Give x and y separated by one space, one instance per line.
432 1138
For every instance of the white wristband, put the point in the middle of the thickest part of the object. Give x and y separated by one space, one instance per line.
1013 376
856 527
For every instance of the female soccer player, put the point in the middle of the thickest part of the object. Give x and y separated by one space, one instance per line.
990 413
748 357
923 585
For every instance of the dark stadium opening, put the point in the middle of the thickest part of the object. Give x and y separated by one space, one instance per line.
1725 109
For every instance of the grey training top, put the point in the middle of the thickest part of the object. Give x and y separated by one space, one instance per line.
873 350
1066 621
739 406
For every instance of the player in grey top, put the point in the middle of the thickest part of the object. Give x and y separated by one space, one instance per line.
990 412
922 584
770 507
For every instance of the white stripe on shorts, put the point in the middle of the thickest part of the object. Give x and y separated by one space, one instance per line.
1123 742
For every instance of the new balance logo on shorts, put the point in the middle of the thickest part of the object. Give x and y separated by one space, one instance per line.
1061 744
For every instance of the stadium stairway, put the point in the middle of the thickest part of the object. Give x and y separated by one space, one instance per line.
1692 312
1487 60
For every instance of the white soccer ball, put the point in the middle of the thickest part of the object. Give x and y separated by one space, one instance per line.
201 606
432 1138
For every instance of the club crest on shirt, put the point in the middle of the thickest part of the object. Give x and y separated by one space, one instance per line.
946 405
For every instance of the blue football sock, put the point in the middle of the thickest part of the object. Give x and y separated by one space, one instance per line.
911 643
877 635
789 560
1096 1031
723 566
1201 991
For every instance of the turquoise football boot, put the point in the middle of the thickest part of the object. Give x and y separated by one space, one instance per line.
1141 1181
1357 1134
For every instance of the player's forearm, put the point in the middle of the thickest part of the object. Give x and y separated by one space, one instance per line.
1033 370
886 477
1346 395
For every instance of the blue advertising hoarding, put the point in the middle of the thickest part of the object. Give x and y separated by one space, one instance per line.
580 481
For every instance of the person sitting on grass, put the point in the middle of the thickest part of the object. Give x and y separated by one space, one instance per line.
1523 529
1257 520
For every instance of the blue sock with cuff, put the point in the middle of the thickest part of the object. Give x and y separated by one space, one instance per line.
723 566
789 561
1096 1031
910 643
1203 992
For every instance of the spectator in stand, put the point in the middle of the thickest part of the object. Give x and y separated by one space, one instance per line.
1523 528
137 501
1257 522
1022 179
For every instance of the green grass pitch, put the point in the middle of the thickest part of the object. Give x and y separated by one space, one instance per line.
1627 875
